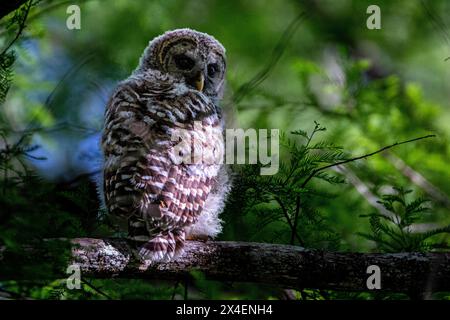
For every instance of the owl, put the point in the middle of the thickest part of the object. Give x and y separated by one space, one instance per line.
163 145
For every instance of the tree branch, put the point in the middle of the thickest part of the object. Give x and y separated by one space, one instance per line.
9 6
294 233
418 179
362 189
277 53
280 265
21 27
316 171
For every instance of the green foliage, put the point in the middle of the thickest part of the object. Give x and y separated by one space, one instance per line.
393 232
14 26
367 87
6 74
281 203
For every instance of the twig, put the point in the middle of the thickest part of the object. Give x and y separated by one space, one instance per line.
73 69
21 27
418 179
297 213
10 6
96 289
438 23
362 189
361 157
275 57
317 128
286 215
36 14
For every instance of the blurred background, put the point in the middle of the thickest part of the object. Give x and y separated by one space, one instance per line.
290 63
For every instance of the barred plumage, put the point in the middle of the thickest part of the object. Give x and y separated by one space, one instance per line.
172 95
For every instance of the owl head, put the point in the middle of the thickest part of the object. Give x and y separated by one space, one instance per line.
194 58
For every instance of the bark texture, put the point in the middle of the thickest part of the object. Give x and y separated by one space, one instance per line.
281 265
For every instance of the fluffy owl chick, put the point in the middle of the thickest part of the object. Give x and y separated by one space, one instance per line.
164 113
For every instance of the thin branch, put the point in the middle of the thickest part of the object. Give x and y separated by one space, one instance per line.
286 215
100 292
317 128
418 179
361 157
21 27
438 23
297 213
72 70
275 57
363 189
10 6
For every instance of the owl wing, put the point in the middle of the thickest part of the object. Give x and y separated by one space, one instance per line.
141 181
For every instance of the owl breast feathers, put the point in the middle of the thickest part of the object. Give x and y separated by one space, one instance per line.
163 145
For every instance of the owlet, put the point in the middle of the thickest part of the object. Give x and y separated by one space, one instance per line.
163 144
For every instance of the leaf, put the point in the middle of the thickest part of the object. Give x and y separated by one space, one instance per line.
434 232
300 133
6 74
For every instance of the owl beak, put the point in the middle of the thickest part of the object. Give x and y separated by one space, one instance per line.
200 82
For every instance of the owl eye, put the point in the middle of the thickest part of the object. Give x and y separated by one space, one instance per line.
183 62
213 68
